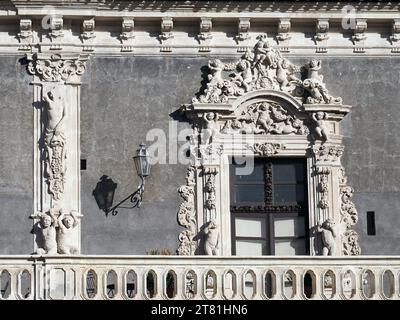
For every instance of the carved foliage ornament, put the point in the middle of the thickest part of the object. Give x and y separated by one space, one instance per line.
266 149
57 69
187 215
349 218
264 67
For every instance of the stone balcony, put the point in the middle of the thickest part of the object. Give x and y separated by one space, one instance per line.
172 277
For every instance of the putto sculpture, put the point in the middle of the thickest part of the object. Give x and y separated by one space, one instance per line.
264 67
329 233
55 232
211 243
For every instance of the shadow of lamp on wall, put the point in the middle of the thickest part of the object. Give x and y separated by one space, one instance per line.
105 188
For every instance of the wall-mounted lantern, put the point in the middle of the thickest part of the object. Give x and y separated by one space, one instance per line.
105 189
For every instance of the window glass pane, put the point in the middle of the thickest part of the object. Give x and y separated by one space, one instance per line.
249 193
290 247
286 172
250 227
289 193
249 248
289 227
253 172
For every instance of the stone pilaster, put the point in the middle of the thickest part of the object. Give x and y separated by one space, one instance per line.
56 99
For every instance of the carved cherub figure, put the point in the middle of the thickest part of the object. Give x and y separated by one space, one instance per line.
66 231
329 232
264 119
211 127
46 229
321 128
245 77
313 68
211 243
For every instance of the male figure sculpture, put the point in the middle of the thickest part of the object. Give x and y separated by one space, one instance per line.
46 229
66 230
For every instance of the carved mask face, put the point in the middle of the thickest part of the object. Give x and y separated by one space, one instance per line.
68 222
46 221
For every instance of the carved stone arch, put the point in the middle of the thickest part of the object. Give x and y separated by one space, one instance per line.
266 115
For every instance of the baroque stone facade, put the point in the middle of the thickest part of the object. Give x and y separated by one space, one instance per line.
258 89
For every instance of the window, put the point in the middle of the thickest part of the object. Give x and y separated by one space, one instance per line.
269 209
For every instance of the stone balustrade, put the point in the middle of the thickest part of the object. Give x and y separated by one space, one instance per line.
174 277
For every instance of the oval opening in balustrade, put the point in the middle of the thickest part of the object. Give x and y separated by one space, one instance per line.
249 288
5 284
112 284
230 288
388 284
348 284
329 284
25 280
171 284
289 284
210 284
131 280
190 284
270 284
368 284
309 284
151 284
91 284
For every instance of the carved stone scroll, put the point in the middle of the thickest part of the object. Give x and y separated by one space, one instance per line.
187 215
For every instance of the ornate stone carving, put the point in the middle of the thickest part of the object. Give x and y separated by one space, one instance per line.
209 191
315 86
190 285
56 68
88 29
56 28
243 30
359 31
264 68
128 25
205 35
265 118
167 25
321 30
348 217
65 233
320 129
187 215
329 232
266 149
211 128
45 231
55 140
283 30
328 153
395 36
323 173
211 243
25 27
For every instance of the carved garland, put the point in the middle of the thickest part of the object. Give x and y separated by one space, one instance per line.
323 173
187 215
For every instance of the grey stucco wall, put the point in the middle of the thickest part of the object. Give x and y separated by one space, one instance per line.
122 98
16 157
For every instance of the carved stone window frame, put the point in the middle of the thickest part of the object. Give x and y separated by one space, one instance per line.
328 196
